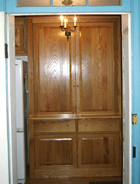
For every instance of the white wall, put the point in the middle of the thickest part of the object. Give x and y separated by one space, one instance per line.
4 174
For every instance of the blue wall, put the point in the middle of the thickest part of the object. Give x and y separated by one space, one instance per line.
11 8
132 6
2 5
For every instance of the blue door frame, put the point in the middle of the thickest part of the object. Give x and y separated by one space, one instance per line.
133 6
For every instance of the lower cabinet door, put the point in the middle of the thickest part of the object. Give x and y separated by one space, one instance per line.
54 155
99 154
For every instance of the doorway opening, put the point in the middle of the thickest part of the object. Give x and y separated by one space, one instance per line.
126 56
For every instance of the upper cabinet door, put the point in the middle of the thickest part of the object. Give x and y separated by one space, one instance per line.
99 68
20 36
54 75
79 77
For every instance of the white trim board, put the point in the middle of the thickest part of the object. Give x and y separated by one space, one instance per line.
11 99
127 89
4 172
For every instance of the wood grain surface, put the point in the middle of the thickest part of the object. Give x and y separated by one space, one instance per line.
53 75
99 125
55 152
20 36
98 80
100 150
55 126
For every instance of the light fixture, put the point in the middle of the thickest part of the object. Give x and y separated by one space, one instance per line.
67 2
64 26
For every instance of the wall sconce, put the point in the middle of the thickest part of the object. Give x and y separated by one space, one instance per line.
67 2
64 26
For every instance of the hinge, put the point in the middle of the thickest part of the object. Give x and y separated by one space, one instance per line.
6 50
134 119
134 152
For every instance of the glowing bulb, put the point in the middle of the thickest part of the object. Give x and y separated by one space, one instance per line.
75 18
65 23
61 18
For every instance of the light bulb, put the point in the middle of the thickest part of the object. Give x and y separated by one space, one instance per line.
65 23
61 18
75 18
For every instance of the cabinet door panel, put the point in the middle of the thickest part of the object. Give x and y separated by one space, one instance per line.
20 36
99 90
102 150
53 64
55 151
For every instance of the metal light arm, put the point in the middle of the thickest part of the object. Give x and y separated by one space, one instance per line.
67 32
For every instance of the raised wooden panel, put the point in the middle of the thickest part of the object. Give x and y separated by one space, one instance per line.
102 150
54 92
104 2
58 150
55 126
69 3
22 3
20 36
99 125
98 80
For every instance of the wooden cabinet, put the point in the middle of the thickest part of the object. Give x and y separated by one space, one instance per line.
20 36
75 121
54 145
75 148
99 144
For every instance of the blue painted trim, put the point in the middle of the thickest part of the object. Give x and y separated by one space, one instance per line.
136 87
79 9
2 6
12 8
51 3
68 9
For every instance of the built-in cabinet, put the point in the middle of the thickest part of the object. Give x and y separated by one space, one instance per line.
75 118
20 36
